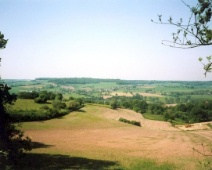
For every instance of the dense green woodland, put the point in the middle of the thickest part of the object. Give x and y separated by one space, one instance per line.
123 82
65 81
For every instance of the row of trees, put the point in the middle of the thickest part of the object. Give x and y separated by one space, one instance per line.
188 112
40 97
65 81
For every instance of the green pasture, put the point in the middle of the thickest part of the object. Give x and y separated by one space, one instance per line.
27 104
202 97
161 118
72 94
177 121
101 85
153 116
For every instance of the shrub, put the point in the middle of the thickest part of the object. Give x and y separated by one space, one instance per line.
74 105
58 104
113 105
41 99
132 122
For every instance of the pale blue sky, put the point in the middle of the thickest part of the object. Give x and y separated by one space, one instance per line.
95 38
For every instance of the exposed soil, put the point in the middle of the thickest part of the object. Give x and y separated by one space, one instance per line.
107 138
195 126
130 94
151 94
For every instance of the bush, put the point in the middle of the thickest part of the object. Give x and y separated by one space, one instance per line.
113 105
132 122
74 105
41 99
58 104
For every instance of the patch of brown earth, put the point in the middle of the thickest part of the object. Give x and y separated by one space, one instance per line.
195 126
113 140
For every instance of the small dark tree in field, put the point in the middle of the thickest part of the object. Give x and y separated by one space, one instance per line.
42 98
12 140
74 105
58 104
196 32
113 104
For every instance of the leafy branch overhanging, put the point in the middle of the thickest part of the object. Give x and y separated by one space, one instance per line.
195 32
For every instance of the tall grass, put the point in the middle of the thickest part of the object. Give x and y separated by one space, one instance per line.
147 164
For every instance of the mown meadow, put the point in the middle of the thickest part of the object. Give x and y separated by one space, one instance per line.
93 138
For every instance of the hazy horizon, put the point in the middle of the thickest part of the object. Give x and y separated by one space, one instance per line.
92 38
101 79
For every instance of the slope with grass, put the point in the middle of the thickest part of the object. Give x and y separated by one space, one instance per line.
93 138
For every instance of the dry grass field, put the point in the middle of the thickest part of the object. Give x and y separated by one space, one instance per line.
131 94
93 138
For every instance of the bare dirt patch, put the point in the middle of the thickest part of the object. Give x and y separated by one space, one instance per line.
122 94
195 126
68 87
131 94
171 105
147 87
151 94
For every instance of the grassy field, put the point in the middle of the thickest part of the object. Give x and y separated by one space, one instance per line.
153 116
27 104
93 138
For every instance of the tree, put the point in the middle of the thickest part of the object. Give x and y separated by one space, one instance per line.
58 104
113 104
3 41
73 105
12 140
44 96
196 32
59 96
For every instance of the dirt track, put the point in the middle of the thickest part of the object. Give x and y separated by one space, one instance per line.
100 135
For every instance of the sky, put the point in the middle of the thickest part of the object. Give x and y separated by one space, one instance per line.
97 39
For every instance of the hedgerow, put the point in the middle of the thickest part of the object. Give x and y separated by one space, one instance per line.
132 122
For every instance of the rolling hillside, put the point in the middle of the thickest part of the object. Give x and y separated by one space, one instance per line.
93 138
